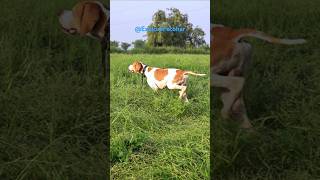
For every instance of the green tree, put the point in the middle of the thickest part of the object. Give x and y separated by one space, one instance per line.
197 37
189 37
114 43
125 46
139 43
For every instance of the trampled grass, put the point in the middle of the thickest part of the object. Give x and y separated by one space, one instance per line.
282 95
154 135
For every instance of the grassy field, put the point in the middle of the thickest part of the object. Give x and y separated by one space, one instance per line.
282 95
52 98
154 135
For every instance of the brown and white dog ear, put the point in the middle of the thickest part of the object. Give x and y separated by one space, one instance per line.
137 66
86 16
99 28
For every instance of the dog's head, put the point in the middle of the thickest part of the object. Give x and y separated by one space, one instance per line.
136 67
86 18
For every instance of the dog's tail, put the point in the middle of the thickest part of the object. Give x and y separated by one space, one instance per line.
193 73
261 35
216 25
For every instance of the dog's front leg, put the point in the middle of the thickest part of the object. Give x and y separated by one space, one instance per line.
153 86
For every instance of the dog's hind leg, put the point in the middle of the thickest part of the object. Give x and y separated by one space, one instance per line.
237 109
182 90
183 93
232 88
184 96
239 112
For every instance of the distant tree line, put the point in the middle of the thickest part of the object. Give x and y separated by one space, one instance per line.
191 40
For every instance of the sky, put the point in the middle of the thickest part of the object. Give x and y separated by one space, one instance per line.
126 15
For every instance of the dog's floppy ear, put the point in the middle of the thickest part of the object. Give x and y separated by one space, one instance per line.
137 66
99 28
86 16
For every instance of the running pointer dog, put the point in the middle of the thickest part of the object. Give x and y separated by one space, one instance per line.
159 78
229 61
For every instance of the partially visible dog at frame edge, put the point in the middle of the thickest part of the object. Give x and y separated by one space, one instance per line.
159 78
87 18
229 61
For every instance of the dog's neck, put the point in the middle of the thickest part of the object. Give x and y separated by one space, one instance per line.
144 68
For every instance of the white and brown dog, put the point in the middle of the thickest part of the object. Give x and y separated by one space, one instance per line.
88 18
229 60
159 78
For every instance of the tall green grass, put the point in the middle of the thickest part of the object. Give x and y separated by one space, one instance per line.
154 135
282 94
52 99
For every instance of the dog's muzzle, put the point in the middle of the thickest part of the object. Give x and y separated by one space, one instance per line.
130 69
71 31
66 22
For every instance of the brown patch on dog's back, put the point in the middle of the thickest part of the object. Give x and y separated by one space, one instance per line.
149 69
160 74
179 76
224 42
